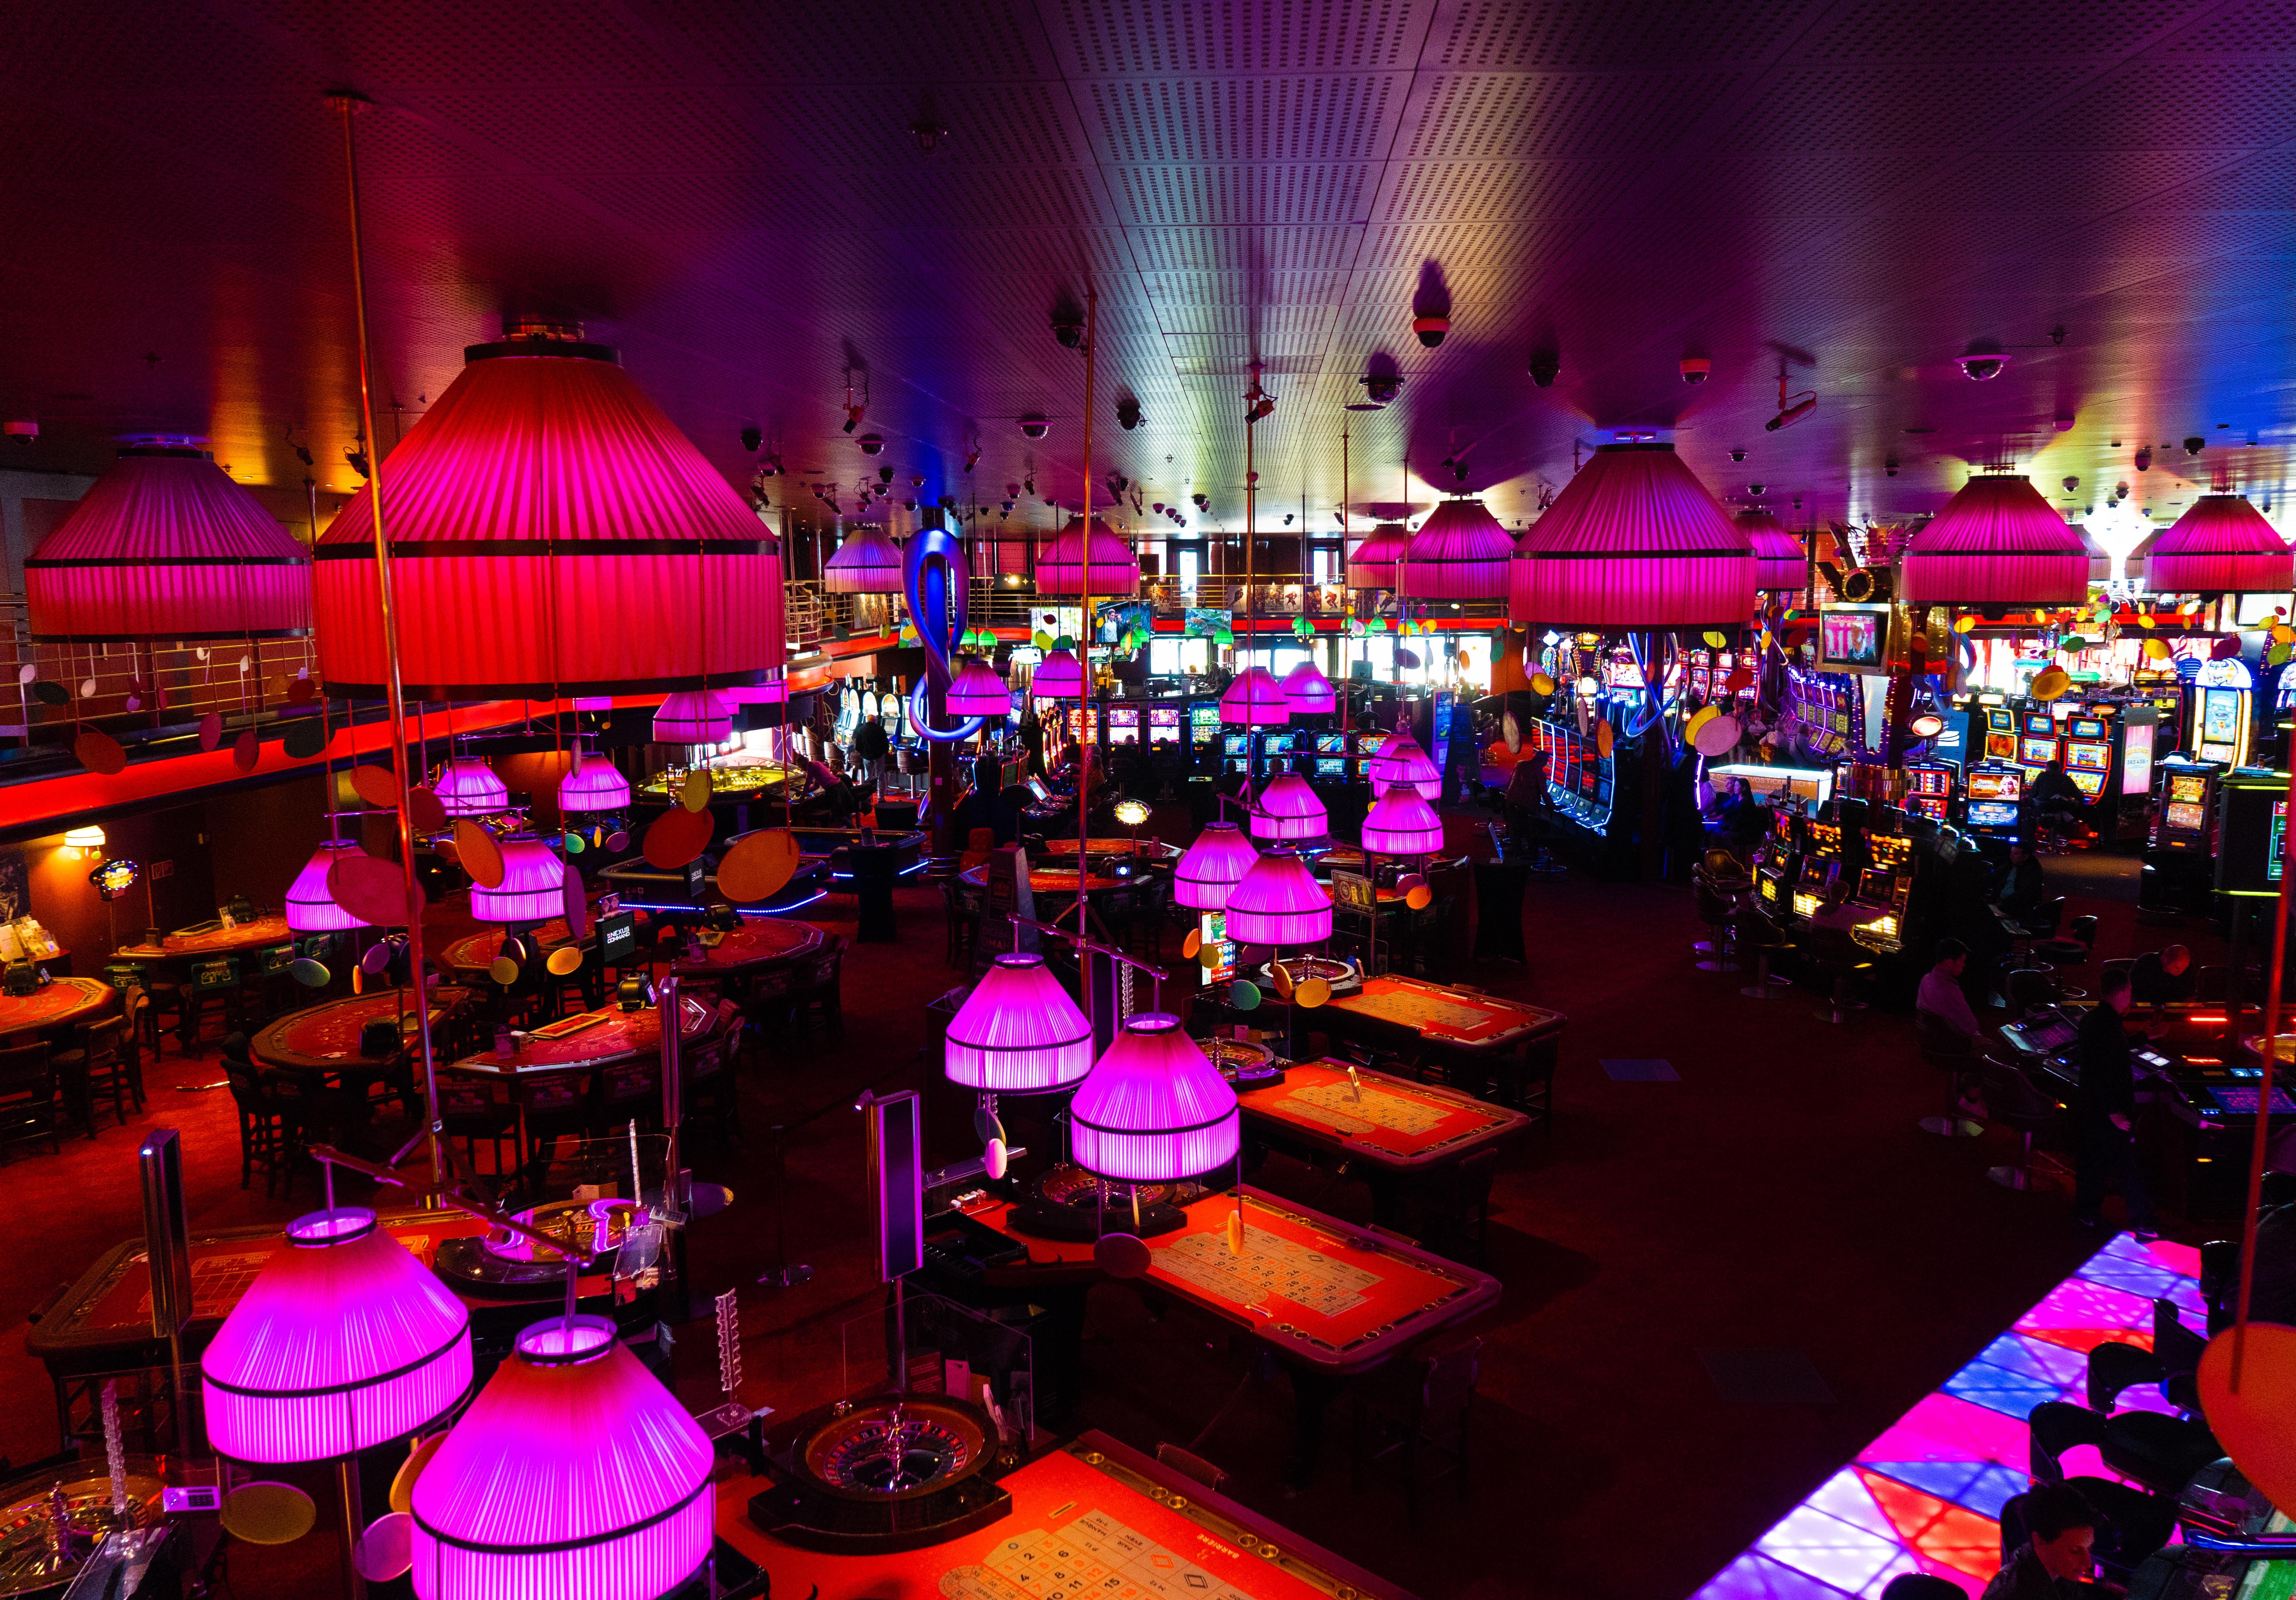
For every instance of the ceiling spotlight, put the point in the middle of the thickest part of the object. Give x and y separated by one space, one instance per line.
1696 369
928 135
751 437
1034 426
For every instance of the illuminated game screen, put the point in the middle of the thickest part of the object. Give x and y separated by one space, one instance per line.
1873 887
1852 638
1995 786
1330 767
2041 752
2096 757
2220 716
1163 725
1084 727
2000 721
1124 724
1992 814
2137 759
2090 783
2275 855
2187 816
1332 744
1232 743
2087 727
2038 723
1203 723
2000 747
2192 788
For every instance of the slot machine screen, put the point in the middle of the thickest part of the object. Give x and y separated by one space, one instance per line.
1992 814
2186 817
1995 786
1330 767
1873 887
1036 788
1084 727
1998 721
2189 789
2086 727
1813 874
1203 723
1701 682
1852 638
1232 743
2039 723
2137 759
2039 752
1276 745
2000 747
1124 724
2090 783
1368 740
1163 725
1332 744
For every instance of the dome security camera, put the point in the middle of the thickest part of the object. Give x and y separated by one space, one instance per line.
1696 369
1430 329
872 444
1034 426
1980 365
1545 366
751 437
1737 455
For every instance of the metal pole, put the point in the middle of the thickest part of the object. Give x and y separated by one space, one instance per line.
2271 1059
1086 743
346 104
673 1092
347 1480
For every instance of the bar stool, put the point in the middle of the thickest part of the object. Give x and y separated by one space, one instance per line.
1765 942
1717 910
1842 973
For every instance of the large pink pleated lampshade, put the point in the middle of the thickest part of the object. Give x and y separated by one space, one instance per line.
976 690
1308 691
596 784
1401 823
311 905
1460 553
344 1340
1995 542
1289 810
1279 902
469 787
1115 568
553 532
1371 564
2222 546
574 1474
1634 541
868 563
1058 677
692 717
1401 763
1254 700
1780 564
533 887
1153 1110
1018 1032
166 546
1212 866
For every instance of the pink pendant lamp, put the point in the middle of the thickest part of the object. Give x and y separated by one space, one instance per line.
868 563
1371 564
468 787
1058 677
574 1474
1289 810
1018 1032
1213 866
311 907
1279 903
544 492
1460 553
1115 569
596 784
1153 1110
2222 546
1401 823
1309 692
343 1340
1401 763
692 717
1254 700
167 547
976 690
1995 542
1780 566
533 887
1634 541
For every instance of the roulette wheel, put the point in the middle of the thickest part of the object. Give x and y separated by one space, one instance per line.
51 1521
503 1260
1344 977
1068 1202
890 1473
1244 1064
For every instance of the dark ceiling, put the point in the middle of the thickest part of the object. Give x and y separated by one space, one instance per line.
732 193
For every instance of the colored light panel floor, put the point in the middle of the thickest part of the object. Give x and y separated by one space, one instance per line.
1924 1497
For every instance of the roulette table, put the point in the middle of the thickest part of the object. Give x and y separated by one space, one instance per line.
1515 1041
211 938
1093 1518
56 1006
605 1038
1345 977
1243 1063
759 944
1148 850
474 953
1050 880
325 1037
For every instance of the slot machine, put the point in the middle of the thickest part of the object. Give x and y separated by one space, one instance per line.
1884 889
1991 794
1331 757
2222 696
1124 724
1701 674
2089 755
1777 866
1821 869
2000 736
1234 753
1206 740
1164 724
1929 790
2037 744
2181 846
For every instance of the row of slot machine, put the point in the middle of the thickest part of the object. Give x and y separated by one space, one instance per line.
2029 741
1581 782
1865 882
1708 674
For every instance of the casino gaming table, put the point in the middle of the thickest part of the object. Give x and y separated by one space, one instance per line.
1147 849
1050 880
1094 1518
56 1005
209 939
325 1037
474 953
759 945
605 1038
1511 1042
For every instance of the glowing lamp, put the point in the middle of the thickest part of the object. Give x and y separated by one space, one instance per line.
1996 542
1633 541
596 784
342 1341
1781 565
1131 813
1308 691
2222 546
1401 823
1279 902
1254 700
1371 564
692 717
311 908
1153 1110
468 787
1289 810
868 563
533 887
1018 1032
574 1473
977 691
1928 726
1401 761
1460 553
1058 677
84 839
1213 866
1111 571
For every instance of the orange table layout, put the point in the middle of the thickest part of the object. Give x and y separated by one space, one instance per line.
759 942
325 1037
605 1038
1448 1016
1051 881
1153 850
1383 1120
1318 1291
476 952
215 940
1094 1518
57 1005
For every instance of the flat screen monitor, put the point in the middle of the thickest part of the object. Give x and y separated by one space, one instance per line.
1996 785
1853 639
1330 767
1874 886
2190 788
1044 796
1232 743
1163 725
2038 722
2000 721
1332 744
2086 727
2039 752
1992 814
2082 753
618 939
2187 818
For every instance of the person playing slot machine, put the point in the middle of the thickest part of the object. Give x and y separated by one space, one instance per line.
2104 1147
2162 976
2058 1555
2023 888
2052 802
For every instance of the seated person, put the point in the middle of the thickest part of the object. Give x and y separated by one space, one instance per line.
1941 995
2023 888
2054 1562
2161 976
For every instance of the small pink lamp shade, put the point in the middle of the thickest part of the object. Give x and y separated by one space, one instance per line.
773 692
977 691
1279 902
1289 810
1115 567
574 1473
1213 866
596 784
1018 1032
1371 564
1460 553
1401 761
533 887
1996 542
311 908
1308 691
1254 700
343 1340
1401 823
868 563
467 787
692 717
1057 676
2222 546
1153 1108
1780 564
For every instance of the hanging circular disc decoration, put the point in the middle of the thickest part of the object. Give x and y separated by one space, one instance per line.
376 784
1236 1233
1738 680
1698 719
300 692
372 890
425 812
2144 621
678 836
244 751
758 866
1717 737
268 1513
1311 993
2226 648
418 1457
1282 978
2159 649
376 962
1121 1255
1208 957
503 970
2252 1425
2073 641
358 981
1540 684
1604 738
1418 896
1716 640
984 1124
305 738
1966 623
480 855
211 730
618 840
385 1550
309 974
564 961
1407 658
1511 733
1191 945
51 694
993 1157
100 752
2051 684
576 899
1244 995
693 793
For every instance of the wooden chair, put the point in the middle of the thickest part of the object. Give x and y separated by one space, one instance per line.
270 1129
470 1111
99 1066
28 1096
1426 1406
818 992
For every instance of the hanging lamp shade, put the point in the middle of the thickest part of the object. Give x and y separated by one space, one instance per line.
1058 677
1153 1110
574 1473
2222 546
545 494
596 784
1018 1032
1254 700
311 907
1213 866
692 717
1401 823
165 545
1995 542
868 563
533 887
1460 553
1780 562
1309 692
773 692
1634 541
1279 902
1371 564
1402 764
1115 569
976 690
344 1340
1289 810
469 787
